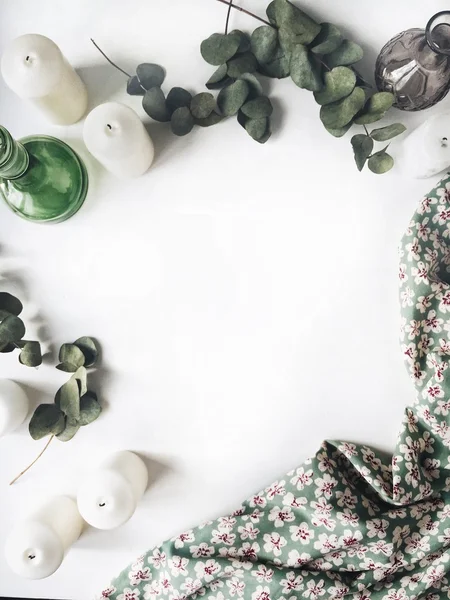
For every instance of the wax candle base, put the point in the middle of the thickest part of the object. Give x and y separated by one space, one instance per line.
13 406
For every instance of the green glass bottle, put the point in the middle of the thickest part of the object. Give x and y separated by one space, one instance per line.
41 178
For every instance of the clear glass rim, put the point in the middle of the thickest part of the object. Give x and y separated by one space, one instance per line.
429 30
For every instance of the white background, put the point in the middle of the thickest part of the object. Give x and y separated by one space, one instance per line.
245 296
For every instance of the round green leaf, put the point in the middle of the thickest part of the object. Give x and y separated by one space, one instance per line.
232 97
80 376
380 162
90 408
339 131
67 399
244 40
71 358
240 64
150 75
89 348
306 72
264 41
12 329
340 113
213 119
328 40
31 355
9 305
258 108
257 128
202 105
8 348
346 54
254 85
154 104
362 148
289 16
178 97
134 88
70 429
271 13
375 108
279 66
338 84
219 48
387 133
46 420
219 78
182 121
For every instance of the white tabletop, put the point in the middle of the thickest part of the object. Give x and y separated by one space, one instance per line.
245 296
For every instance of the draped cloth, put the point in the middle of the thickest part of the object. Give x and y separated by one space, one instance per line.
352 521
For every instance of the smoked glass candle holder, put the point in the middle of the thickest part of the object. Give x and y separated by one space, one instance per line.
41 178
415 65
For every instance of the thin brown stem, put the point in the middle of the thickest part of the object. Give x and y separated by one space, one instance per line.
243 10
228 16
366 130
34 461
109 60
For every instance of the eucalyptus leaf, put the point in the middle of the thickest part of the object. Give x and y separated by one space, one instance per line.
362 148
240 64
258 108
244 40
306 72
90 350
338 84
339 114
80 376
232 97
150 75
134 88
182 121
219 48
254 85
328 40
8 349
380 162
271 13
339 131
257 128
202 105
71 426
9 305
31 355
289 16
47 419
178 97
67 399
70 354
264 42
347 53
213 119
387 133
375 108
279 66
219 78
90 408
154 104
12 329
241 119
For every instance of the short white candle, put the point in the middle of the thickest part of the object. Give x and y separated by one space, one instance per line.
36 547
35 69
426 151
117 138
109 496
13 406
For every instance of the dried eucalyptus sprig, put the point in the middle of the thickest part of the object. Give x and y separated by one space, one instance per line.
75 405
12 331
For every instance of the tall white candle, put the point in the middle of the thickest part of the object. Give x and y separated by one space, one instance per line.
35 69
117 138
36 547
426 151
109 496
13 406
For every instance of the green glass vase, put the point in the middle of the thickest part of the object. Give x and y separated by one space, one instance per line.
41 178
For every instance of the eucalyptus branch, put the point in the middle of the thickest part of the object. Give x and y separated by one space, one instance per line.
247 12
228 16
109 60
34 461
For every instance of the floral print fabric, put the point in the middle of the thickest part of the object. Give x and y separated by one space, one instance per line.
351 522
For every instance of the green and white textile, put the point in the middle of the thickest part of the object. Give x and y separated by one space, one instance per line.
351 521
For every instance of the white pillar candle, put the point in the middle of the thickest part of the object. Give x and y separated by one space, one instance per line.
13 406
426 151
35 69
109 496
36 547
117 138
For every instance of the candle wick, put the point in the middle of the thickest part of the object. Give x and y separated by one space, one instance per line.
108 126
31 556
102 504
27 58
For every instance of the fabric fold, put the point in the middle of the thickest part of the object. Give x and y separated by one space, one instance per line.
352 521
